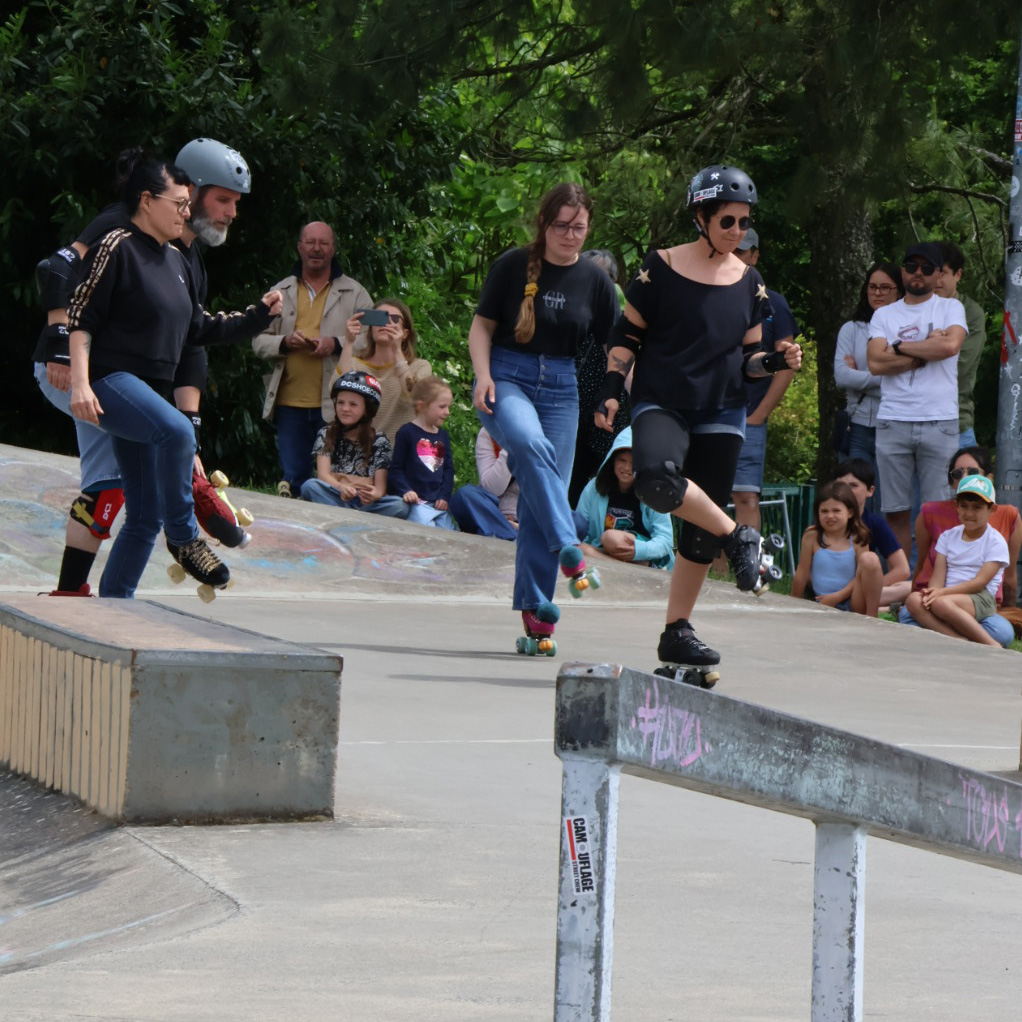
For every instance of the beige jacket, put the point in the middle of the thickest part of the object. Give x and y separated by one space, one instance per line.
345 296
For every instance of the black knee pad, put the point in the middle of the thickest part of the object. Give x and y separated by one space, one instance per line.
698 545
661 487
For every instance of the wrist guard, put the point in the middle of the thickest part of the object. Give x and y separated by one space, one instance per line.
54 345
611 390
774 362
196 420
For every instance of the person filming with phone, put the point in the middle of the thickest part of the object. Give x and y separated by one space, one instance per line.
381 341
303 346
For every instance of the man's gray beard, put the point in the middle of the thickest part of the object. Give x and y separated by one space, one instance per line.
207 231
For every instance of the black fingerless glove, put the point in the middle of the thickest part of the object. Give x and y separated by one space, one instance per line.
611 389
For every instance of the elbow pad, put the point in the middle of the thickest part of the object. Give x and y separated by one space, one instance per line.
626 334
57 277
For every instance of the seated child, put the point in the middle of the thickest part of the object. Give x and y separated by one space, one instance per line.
422 469
836 557
613 522
491 508
969 562
351 457
859 475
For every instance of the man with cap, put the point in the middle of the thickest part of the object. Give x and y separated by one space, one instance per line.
220 176
764 395
913 346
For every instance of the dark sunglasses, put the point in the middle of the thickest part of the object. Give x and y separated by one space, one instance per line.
727 222
911 266
957 474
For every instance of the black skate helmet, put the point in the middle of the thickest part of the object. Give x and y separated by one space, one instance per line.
361 383
720 183
208 162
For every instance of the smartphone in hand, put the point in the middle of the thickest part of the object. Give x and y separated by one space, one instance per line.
374 317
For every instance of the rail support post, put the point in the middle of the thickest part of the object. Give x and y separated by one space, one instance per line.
585 905
839 890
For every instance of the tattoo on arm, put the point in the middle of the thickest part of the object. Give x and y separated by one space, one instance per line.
622 365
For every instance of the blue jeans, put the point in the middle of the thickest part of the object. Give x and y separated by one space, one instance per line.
997 627
862 443
477 511
751 459
320 493
296 435
535 419
155 448
967 437
95 449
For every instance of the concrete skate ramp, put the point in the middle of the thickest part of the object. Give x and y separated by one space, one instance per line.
73 885
298 548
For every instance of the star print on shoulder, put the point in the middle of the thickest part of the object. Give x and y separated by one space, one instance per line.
643 276
761 291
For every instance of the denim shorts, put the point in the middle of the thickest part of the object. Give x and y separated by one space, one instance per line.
749 473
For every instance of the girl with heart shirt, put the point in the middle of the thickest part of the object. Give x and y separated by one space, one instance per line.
422 469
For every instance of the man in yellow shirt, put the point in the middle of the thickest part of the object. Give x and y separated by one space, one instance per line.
303 345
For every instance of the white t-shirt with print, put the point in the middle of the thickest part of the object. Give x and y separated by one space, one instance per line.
929 394
965 558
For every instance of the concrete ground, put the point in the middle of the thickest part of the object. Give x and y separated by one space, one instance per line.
432 895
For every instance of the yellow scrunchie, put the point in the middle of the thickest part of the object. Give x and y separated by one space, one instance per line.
531 290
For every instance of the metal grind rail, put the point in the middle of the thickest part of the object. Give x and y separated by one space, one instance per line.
611 719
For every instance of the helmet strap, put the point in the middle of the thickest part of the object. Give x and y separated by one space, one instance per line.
705 234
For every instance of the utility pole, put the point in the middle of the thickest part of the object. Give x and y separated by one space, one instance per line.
1009 397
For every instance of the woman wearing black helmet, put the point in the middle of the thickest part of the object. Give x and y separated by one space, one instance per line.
692 330
352 458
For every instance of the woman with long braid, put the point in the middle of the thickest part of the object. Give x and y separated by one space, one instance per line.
538 306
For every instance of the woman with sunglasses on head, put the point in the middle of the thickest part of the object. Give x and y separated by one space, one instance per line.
881 286
692 329
129 321
387 352
538 307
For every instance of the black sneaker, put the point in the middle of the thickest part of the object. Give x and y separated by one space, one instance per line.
679 645
201 563
743 548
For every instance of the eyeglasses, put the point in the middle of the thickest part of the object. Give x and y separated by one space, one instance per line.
881 289
182 204
727 222
395 318
957 474
911 266
562 229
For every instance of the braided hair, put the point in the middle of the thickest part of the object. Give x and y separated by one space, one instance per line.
565 194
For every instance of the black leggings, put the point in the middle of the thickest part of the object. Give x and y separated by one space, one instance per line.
709 460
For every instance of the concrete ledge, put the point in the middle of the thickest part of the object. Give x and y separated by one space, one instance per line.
147 714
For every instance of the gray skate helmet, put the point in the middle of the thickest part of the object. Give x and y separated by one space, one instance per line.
720 183
208 162
361 383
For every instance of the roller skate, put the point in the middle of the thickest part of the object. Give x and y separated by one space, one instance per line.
196 559
216 514
685 658
744 550
769 570
539 631
580 578
82 590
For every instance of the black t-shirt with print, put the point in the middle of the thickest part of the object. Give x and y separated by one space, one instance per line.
624 511
572 302
691 357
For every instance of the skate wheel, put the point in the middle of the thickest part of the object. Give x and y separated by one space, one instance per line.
710 678
551 650
594 579
775 542
218 479
548 646
246 539
527 645
245 517
229 584
177 573
774 573
206 593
